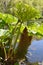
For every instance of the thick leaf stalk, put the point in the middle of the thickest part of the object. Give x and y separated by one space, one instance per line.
24 43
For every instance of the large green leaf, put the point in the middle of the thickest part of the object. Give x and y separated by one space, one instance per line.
25 12
2 32
11 19
40 29
8 18
36 28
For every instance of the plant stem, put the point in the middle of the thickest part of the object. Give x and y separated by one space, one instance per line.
15 41
4 51
3 45
13 36
17 35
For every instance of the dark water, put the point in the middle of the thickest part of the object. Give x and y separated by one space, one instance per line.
35 51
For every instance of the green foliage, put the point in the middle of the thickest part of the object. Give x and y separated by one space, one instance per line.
8 18
16 63
25 12
11 28
36 29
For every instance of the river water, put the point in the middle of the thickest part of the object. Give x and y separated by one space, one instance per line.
35 51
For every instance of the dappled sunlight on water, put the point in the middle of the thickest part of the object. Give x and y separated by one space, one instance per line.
35 51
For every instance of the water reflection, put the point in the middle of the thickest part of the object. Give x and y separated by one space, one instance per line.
35 51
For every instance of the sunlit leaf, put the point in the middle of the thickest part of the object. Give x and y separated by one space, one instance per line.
25 12
22 27
1 15
8 18
2 32
11 19
40 29
36 28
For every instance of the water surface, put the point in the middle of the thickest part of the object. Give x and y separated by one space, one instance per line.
35 51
